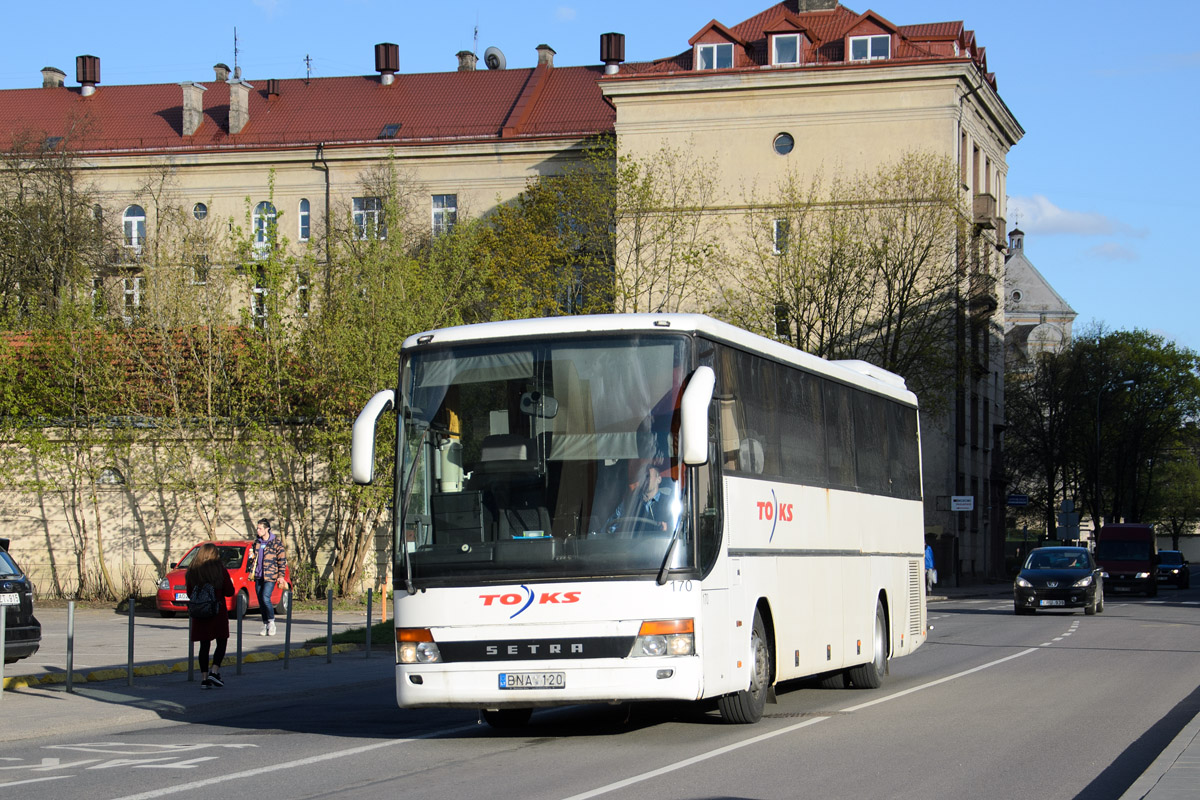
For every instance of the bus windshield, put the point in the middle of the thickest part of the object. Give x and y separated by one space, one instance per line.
538 459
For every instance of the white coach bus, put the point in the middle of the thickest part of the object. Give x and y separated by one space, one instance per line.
643 507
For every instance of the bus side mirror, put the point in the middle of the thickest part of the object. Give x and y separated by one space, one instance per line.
362 439
693 416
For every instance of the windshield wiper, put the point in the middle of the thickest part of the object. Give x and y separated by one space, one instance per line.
662 572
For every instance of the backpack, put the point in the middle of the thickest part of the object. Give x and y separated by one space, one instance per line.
203 602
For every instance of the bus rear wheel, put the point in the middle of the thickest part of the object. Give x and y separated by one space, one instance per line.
507 718
870 675
747 706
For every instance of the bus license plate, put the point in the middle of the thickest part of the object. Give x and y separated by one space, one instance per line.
533 680
1054 602
10 599
181 597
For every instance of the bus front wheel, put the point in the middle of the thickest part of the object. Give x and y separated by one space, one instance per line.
870 675
505 718
746 706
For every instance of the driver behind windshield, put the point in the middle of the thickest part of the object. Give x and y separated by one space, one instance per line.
647 510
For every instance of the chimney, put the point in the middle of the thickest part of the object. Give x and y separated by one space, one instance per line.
387 62
273 88
53 77
545 55
612 51
87 72
193 106
239 106
467 61
222 72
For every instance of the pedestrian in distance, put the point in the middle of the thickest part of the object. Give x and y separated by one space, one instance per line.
210 624
930 570
270 568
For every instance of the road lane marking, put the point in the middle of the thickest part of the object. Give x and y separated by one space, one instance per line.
35 780
687 762
940 681
300 762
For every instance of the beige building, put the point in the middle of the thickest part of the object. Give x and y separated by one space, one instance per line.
805 86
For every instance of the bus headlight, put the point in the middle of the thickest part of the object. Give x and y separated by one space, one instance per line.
670 637
416 646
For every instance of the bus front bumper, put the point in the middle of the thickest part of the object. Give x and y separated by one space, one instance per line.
552 683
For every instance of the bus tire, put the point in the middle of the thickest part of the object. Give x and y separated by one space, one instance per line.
746 707
836 680
870 675
507 718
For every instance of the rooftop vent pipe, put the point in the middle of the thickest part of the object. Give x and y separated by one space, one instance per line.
222 72
545 55
193 106
612 51
87 72
387 62
239 105
467 61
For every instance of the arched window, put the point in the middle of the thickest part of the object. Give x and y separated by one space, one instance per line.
133 222
264 226
304 231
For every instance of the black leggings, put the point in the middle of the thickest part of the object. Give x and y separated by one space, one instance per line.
218 654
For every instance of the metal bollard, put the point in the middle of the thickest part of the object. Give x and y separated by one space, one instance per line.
240 610
287 628
369 593
129 665
329 626
70 646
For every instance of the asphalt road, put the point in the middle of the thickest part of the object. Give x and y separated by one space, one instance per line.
1057 705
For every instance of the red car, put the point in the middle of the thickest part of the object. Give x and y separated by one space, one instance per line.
172 590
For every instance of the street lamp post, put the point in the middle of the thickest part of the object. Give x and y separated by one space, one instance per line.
1096 469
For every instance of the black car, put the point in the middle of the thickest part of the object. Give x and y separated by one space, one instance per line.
1173 568
23 633
1059 577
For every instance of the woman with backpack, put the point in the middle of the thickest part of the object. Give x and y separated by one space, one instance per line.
212 622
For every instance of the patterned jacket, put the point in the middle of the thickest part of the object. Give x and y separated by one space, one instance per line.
274 557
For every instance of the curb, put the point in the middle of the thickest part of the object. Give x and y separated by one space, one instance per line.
146 670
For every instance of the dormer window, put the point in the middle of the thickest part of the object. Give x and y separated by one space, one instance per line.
870 48
785 48
714 56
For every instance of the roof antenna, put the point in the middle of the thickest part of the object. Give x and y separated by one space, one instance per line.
307 69
475 44
237 71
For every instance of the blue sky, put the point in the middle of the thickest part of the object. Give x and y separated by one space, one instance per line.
1104 184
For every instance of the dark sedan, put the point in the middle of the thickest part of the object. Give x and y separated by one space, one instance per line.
1059 577
1174 568
22 631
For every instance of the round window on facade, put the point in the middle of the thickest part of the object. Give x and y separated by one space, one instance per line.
784 143
1016 295
199 211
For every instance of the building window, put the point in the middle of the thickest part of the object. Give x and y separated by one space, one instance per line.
199 211
302 301
131 287
869 48
98 296
304 217
785 49
714 56
779 235
368 218
200 271
263 222
258 300
134 223
445 212
783 144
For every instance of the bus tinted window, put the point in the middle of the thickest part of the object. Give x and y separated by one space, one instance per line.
839 435
802 439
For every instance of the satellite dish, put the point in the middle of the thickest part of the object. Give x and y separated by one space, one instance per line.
493 58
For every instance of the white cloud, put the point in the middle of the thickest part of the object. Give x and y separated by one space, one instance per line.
1111 251
1038 215
564 14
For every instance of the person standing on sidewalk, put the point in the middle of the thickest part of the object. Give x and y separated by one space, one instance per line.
270 567
930 570
206 567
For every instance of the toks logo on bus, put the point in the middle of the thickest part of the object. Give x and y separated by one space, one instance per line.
526 598
775 512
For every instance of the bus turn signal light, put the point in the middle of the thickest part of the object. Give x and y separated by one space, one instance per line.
416 646
665 637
